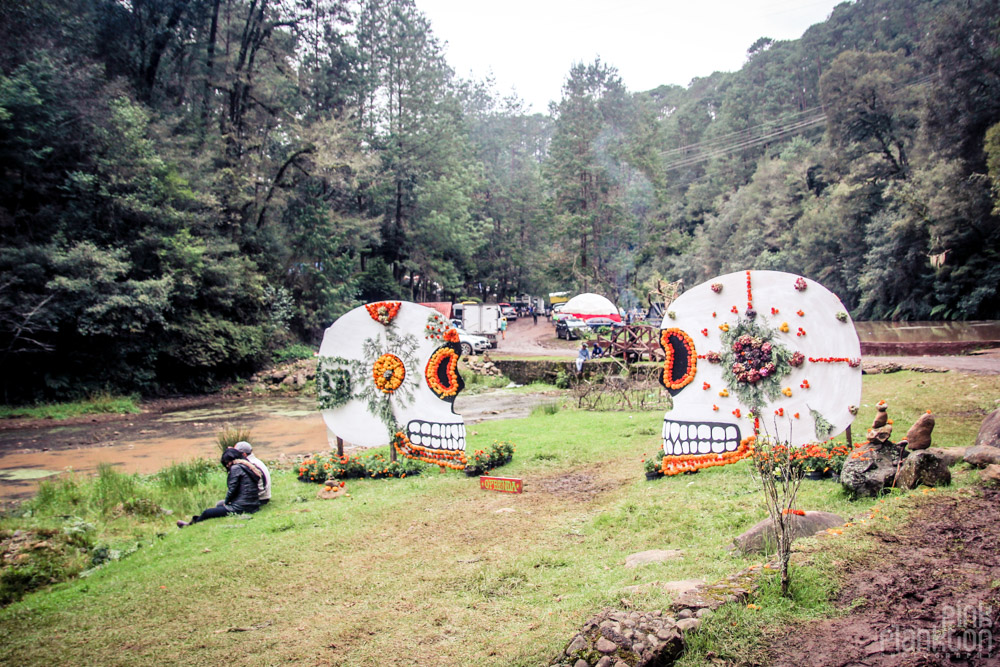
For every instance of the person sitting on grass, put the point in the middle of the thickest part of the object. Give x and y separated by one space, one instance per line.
264 486
596 351
242 495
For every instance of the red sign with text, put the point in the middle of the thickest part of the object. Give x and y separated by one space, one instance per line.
501 484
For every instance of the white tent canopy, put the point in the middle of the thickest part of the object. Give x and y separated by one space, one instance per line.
588 306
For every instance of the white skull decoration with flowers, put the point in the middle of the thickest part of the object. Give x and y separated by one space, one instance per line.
388 373
755 351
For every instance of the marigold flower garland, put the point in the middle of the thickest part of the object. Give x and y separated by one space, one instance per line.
675 465
668 364
455 460
448 356
383 311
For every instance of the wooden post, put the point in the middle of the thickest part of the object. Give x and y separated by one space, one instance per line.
850 441
392 452
340 446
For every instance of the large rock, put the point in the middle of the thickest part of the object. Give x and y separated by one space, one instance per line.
870 469
989 432
923 468
950 455
982 455
919 435
991 474
678 587
651 556
763 537
987 448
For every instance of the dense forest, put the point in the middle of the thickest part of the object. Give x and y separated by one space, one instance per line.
188 185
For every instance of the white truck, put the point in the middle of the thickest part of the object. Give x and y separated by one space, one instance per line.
482 319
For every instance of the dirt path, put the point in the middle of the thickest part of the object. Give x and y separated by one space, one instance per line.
930 595
983 363
524 338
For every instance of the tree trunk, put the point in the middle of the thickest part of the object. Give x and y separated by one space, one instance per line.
210 63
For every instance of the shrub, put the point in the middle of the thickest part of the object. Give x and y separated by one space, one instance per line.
292 353
230 435
185 475
494 456
652 463
814 457
375 465
838 455
113 488
545 409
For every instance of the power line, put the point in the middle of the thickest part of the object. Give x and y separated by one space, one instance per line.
741 139
779 133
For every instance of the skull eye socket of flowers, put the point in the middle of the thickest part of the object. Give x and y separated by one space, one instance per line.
384 367
755 350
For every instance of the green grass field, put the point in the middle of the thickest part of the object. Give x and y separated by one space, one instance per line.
430 569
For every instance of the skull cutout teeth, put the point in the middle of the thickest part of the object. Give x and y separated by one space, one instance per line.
681 438
382 365
752 351
449 437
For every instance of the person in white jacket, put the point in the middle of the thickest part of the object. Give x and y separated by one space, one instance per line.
264 486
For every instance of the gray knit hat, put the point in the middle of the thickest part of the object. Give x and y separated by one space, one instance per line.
244 446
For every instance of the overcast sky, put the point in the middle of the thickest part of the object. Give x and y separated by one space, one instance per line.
530 45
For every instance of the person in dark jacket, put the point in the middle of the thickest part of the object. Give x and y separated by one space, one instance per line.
242 495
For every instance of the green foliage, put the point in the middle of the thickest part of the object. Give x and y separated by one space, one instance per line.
545 409
229 435
563 379
481 461
292 353
185 475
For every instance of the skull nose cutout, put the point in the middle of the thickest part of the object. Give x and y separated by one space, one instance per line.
681 362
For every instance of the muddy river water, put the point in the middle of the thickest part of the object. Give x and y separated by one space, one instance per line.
282 429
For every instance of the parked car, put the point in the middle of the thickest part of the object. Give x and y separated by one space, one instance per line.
508 311
472 343
596 323
569 327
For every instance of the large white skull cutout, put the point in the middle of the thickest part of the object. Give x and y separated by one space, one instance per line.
392 367
756 351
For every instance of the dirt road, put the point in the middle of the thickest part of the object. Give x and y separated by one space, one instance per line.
524 338
527 339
